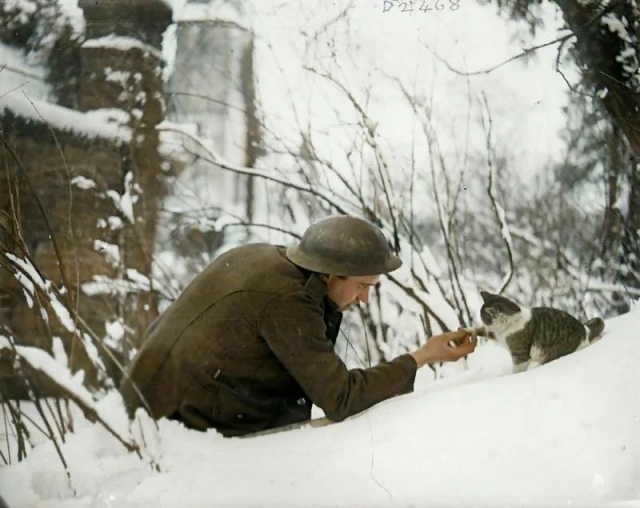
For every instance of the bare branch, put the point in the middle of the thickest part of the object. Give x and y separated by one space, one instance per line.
40 205
487 123
210 156
522 54
26 74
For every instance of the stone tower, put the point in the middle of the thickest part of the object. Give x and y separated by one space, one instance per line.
211 87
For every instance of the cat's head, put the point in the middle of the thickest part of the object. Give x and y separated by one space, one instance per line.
497 310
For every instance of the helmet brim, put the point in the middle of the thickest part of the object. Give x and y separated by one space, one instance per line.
347 268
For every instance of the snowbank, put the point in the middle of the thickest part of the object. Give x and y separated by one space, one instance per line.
101 124
563 434
25 93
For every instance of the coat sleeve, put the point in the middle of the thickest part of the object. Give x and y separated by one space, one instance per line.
293 327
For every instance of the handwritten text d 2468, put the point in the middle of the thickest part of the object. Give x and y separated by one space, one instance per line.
424 6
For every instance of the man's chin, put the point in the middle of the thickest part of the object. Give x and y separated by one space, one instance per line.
348 306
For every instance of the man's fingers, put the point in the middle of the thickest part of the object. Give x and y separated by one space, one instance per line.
463 336
469 332
465 344
471 336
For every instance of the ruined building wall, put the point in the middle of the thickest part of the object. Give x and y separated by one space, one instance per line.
110 151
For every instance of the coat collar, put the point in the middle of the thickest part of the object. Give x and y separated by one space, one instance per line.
315 286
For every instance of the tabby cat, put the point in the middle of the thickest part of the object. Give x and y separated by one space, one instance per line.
535 336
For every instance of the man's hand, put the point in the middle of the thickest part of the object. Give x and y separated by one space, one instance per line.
448 347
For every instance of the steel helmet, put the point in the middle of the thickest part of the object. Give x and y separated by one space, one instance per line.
344 245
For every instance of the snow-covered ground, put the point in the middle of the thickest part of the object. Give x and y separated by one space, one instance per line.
563 434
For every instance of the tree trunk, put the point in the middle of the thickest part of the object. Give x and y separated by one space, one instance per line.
606 49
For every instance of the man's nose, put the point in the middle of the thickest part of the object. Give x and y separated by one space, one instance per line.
364 296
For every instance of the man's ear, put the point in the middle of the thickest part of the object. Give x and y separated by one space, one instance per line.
330 278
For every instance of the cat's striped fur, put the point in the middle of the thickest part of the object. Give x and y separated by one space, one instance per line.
538 335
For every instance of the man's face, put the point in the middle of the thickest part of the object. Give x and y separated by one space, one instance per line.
347 291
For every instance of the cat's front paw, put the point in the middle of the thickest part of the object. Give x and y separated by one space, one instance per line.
528 365
596 327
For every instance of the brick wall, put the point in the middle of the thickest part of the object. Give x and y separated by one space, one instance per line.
125 75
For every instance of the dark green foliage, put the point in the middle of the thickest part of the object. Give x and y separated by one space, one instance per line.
528 11
17 27
63 63
44 33
587 133
28 23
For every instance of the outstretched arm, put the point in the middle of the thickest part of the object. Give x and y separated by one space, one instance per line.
293 327
447 347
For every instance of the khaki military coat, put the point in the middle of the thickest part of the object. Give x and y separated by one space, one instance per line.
248 346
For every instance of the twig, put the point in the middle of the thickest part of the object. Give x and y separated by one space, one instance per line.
53 439
215 159
80 320
411 292
366 123
498 210
41 207
257 225
522 54
328 24
90 413
69 225
19 427
15 70
35 424
527 51
60 424
451 259
6 436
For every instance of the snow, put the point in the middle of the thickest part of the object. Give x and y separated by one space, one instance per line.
74 13
134 283
472 433
121 43
83 183
140 279
115 332
24 92
616 26
27 287
562 434
124 202
29 278
59 353
91 124
115 329
39 359
113 223
216 10
16 75
111 251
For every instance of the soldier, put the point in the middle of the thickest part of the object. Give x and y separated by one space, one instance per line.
249 345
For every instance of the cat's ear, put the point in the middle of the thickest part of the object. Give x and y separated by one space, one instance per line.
516 307
485 295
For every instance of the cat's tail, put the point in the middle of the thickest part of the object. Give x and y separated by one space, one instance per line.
596 327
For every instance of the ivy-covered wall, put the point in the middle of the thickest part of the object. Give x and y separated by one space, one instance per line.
86 171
